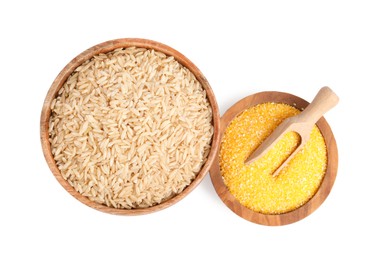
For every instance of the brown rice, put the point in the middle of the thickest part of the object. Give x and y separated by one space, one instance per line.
130 128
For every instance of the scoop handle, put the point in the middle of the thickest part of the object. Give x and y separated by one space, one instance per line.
325 100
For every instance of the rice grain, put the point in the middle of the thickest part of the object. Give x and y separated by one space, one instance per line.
130 128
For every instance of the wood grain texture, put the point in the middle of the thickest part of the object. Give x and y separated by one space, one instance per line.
103 48
322 192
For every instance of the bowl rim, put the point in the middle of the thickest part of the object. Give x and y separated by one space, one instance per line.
325 187
105 47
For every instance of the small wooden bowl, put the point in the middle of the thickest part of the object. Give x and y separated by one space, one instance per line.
104 48
314 202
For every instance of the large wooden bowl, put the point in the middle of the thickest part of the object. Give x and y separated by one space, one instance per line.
103 48
322 192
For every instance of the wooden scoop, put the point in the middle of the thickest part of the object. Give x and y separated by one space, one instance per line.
301 124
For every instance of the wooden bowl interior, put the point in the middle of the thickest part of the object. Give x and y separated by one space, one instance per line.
319 196
104 48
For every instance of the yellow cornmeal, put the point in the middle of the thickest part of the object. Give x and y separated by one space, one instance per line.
253 185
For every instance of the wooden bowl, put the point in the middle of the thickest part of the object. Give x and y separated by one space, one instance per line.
103 48
319 196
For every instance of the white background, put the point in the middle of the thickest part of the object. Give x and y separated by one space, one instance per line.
242 48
